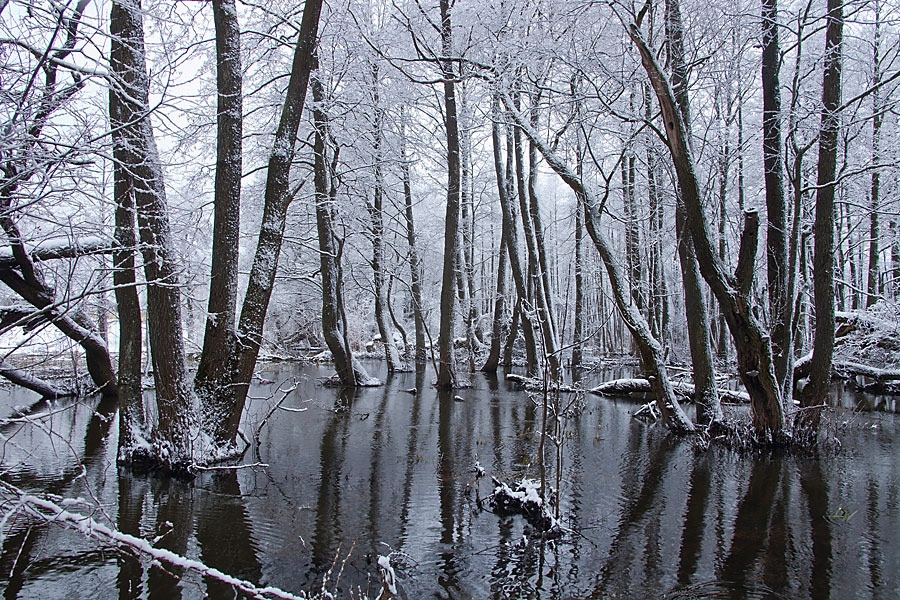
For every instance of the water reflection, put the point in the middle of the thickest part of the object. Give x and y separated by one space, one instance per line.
378 471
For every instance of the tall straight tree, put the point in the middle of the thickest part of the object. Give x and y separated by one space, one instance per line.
780 303
873 282
446 376
376 214
415 263
814 394
213 379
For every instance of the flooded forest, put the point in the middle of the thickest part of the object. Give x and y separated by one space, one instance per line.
554 299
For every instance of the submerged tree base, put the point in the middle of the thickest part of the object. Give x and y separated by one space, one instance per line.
524 499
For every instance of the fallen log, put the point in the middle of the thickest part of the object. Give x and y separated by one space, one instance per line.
639 385
533 384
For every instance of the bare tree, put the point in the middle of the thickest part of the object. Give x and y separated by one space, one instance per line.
813 397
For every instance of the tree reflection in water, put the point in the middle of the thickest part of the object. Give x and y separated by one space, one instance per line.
382 471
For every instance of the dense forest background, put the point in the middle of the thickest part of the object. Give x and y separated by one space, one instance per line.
476 182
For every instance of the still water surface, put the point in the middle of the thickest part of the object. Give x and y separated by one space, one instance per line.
354 474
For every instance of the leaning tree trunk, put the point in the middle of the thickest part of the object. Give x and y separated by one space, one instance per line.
349 371
213 379
278 196
709 409
446 376
815 393
173 435
649 348
752 346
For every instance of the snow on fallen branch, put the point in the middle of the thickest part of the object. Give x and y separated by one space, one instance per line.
50 512
638 385
61 248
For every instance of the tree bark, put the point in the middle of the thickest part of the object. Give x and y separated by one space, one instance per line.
493 360
376 214
349 371
696 311
873 283
816 391
650 349
132 427
213 379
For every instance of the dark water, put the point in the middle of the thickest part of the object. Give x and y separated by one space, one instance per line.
364 473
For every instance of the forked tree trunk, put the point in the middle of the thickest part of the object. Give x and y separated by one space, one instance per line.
349 371
511 241
174 431
493 360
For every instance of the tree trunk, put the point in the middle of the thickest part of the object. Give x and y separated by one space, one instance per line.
873 286
349 371
780 303
415 267
446 376
816 391
131 405
732 292
696 311
511 241
173 435
578 322
213 379
278 197
376 213
650 349
493 360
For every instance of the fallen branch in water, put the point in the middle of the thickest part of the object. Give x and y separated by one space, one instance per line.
638 385
52 513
